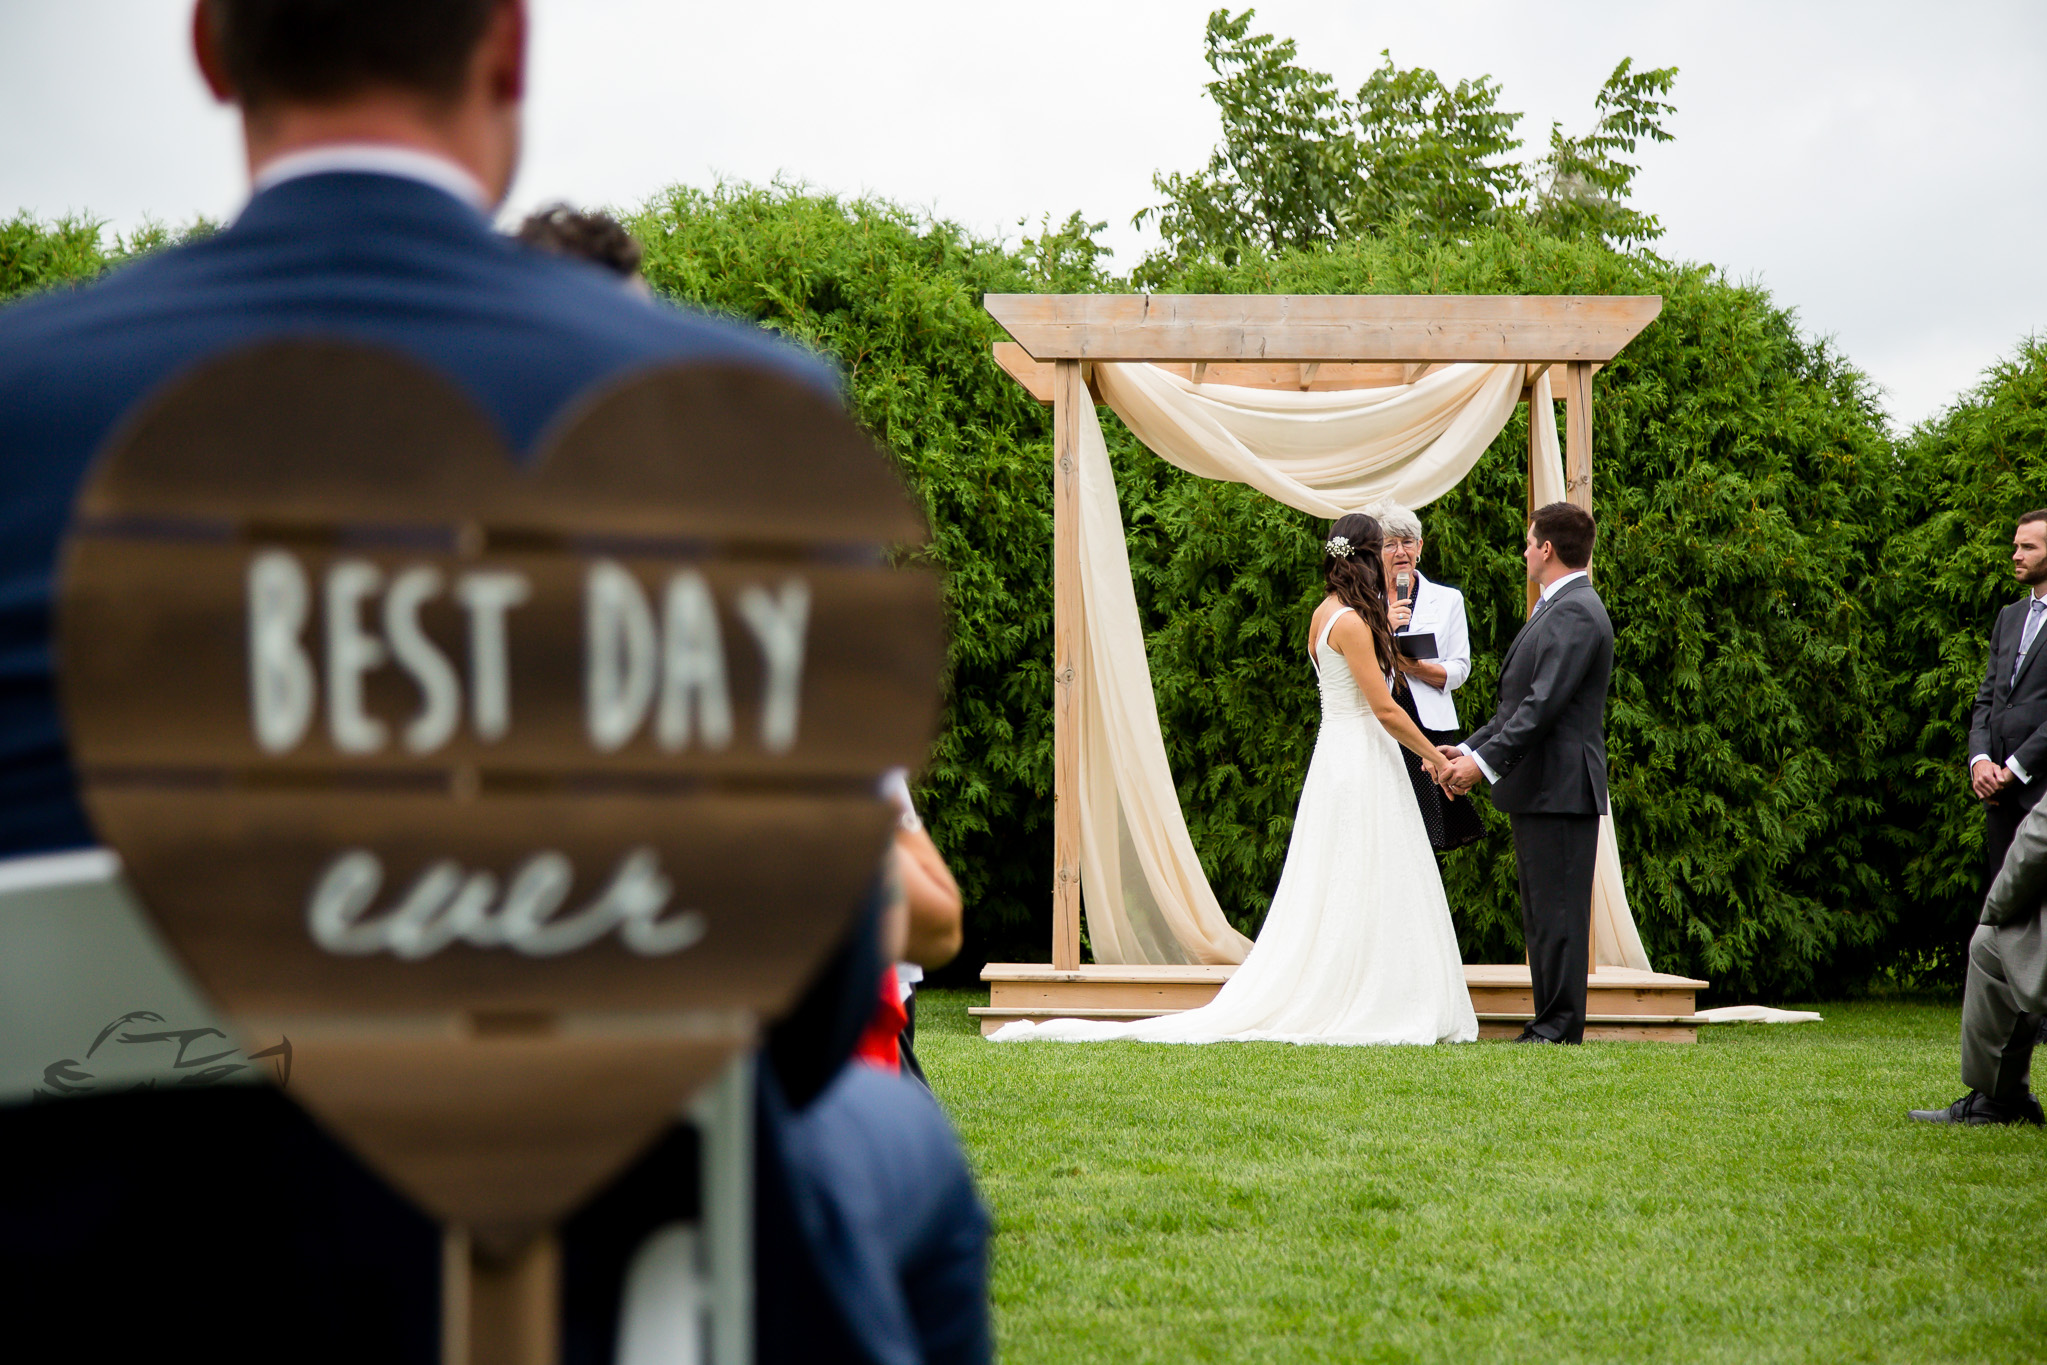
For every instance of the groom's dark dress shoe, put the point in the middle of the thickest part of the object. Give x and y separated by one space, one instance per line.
1977 1109
1535 1038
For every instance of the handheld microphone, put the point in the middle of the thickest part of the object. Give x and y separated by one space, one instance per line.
1403 585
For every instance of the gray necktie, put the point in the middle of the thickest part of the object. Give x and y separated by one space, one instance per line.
2027 635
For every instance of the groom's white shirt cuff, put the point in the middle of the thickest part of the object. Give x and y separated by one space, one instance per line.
2016 771
1483 766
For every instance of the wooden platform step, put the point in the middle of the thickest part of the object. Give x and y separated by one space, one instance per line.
1622 1005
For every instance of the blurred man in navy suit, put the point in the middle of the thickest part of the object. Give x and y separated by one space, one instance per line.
380 133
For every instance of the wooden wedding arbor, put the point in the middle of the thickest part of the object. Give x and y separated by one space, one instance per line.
1311 343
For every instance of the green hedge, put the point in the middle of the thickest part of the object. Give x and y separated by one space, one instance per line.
1799 599
897 302
37 255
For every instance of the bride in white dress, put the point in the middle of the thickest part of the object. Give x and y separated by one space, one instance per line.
1358 946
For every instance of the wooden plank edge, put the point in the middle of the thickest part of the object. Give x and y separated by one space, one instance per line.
1099 974
1299 329
1108 1012
1620 978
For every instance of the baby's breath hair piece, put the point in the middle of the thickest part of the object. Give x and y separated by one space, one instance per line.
1338 547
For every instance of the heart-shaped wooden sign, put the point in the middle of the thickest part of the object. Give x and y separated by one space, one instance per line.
514 796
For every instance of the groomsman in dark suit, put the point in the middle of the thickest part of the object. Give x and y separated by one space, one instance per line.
1544 751
2008 728
381 135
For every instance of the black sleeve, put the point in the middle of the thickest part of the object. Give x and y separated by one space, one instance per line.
1979 716
809 1044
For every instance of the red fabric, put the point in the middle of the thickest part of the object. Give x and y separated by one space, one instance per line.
880 1045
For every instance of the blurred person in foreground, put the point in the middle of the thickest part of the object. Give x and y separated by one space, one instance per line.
923 930
586 235
380 134
2006 997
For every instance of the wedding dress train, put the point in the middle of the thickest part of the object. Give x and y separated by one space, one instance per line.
1358 947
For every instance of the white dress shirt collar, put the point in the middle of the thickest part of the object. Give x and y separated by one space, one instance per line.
376 158
1558 586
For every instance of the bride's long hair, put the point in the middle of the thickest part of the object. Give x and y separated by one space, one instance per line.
1359 578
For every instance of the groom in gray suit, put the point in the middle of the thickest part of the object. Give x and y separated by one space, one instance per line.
1544 751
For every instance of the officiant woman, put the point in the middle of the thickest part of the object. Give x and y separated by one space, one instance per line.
1432 615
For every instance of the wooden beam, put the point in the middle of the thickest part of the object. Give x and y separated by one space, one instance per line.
1401 328
1034 375
1325 377
1322 378
1070 407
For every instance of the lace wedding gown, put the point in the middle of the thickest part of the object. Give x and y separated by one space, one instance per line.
1358 946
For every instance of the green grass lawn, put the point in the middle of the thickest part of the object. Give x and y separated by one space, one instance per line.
1759 1196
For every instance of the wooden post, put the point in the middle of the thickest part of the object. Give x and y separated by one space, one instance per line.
500 1310
1070 407
1578 434
1578 491
1535 417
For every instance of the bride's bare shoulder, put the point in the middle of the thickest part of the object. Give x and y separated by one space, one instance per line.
1330 616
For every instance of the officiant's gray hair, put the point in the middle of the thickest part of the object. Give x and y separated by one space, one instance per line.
1399 523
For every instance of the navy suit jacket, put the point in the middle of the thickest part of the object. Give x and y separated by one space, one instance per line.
370 258
390 261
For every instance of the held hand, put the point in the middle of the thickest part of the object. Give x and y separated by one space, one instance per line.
1464 775
1983 779
1438 770
1987 779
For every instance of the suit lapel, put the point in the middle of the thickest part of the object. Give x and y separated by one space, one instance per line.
1542 610
1527 629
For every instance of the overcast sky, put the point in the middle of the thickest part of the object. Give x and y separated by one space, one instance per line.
1882 168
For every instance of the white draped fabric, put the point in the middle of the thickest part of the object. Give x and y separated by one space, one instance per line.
1143 891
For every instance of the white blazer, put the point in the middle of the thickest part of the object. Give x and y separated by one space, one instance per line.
1439 610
